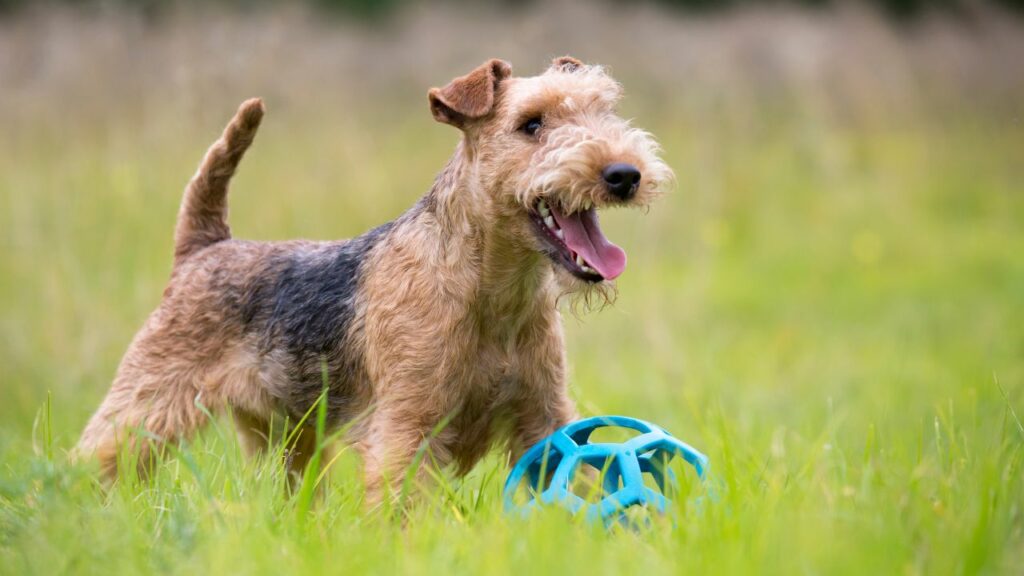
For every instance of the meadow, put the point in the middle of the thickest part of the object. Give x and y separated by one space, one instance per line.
829 304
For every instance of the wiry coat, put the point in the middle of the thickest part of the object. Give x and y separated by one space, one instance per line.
446 315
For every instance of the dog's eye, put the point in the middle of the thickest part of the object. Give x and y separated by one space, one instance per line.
531 126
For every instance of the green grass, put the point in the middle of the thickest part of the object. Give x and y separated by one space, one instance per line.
831 308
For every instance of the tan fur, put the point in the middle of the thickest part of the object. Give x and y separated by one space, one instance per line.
451 334
203 217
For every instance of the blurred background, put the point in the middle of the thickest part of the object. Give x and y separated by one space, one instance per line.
846 229
830 303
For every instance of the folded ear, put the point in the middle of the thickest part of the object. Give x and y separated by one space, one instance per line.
566 64
468 97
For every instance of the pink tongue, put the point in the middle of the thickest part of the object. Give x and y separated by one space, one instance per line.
584 236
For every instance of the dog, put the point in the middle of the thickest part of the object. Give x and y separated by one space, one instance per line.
438 331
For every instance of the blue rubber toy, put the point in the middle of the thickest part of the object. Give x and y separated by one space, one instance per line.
623 465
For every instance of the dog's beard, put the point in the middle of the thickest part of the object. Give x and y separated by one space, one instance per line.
582 296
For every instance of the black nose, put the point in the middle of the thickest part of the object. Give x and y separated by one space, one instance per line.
622 179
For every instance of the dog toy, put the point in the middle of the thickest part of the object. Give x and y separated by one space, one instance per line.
622 464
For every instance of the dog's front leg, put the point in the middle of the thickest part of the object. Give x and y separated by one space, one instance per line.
403 452
544 403
537 418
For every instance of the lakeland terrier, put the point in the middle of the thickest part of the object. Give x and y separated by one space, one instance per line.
438 330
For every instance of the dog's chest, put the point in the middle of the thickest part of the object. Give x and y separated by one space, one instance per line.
499 361
496 375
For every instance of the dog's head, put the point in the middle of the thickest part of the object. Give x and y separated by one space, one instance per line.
550 151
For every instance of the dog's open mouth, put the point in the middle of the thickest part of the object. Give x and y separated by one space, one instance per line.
577 243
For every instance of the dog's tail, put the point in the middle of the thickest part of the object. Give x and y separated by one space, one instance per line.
202 219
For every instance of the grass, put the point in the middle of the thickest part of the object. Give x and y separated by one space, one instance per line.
829 306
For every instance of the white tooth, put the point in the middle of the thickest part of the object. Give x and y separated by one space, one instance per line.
550 222
580 261
589 270
560 234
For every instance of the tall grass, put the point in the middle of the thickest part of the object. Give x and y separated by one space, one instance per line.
829 305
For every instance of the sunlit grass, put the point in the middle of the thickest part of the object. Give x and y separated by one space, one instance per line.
830 306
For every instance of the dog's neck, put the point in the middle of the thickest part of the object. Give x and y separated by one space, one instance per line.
508 276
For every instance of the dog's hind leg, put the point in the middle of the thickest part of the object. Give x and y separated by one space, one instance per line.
296 445
254 433
155 399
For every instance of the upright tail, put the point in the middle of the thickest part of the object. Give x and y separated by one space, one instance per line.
202 219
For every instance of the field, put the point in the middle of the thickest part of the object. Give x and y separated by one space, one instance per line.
830 304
